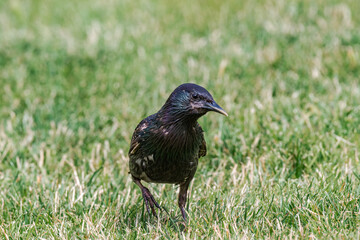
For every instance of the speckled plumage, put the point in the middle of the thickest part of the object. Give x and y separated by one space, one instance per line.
165 153
166 146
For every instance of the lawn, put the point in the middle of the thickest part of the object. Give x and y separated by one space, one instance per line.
76 77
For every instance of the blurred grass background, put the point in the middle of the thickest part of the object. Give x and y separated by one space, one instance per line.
77 76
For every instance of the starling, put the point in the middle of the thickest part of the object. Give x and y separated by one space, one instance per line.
166 146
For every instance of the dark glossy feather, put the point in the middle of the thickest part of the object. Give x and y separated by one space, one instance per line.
164 153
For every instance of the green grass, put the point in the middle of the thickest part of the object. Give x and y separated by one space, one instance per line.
76 77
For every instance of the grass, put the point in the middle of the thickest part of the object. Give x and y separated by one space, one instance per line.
77 76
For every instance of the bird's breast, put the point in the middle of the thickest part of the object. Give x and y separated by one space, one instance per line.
173 158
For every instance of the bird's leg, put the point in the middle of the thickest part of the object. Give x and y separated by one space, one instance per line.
183 197
148 197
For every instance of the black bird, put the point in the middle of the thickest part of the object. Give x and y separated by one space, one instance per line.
166 146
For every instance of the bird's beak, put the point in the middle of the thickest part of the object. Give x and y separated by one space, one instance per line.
215 107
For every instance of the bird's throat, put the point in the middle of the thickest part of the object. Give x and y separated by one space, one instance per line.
180 117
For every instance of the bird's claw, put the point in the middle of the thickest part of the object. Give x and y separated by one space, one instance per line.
149 200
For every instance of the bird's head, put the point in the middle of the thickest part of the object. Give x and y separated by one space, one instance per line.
191 101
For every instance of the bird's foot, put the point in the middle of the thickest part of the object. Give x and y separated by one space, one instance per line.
149 200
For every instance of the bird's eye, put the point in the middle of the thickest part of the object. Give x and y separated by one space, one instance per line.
195 96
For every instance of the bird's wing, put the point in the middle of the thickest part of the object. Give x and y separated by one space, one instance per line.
202 149
137 137
135 143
